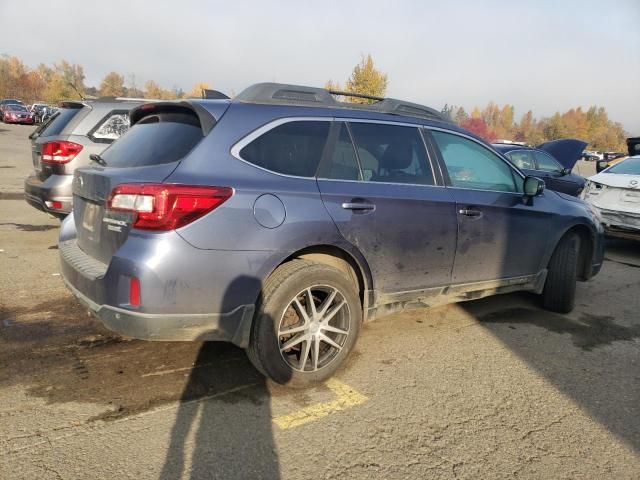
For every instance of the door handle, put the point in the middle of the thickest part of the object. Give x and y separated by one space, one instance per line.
467 212
358 206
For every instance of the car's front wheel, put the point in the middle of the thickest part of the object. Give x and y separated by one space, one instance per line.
306 324
560 287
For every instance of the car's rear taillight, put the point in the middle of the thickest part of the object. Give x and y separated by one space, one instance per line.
58 152
165 206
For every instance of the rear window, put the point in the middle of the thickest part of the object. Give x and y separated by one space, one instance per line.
58 121
155 140
294 148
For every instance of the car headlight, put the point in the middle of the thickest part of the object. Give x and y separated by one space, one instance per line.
592 188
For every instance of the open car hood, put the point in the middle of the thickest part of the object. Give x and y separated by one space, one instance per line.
567 150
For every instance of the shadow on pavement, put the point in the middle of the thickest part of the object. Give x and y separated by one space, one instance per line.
228 441
585 356
223 422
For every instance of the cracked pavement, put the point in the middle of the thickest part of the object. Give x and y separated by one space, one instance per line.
494 388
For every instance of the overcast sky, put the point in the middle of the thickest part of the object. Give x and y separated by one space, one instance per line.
540 55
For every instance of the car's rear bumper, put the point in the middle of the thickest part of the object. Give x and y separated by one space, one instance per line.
42 194
186 293
22 121
231 327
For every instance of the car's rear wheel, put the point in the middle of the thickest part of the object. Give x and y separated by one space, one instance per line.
560 287
306 324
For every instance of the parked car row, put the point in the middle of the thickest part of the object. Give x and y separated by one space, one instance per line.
284 218
15 111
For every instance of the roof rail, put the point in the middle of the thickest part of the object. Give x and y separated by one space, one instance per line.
283 94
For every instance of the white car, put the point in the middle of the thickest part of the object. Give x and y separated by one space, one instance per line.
615 194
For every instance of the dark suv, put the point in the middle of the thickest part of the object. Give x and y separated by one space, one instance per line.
282 219
66 142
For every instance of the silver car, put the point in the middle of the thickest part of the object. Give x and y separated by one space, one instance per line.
76 131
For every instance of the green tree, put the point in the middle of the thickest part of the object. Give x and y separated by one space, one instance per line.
112 85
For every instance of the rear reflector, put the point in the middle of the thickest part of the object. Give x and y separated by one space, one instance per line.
134 292
165 206
59 152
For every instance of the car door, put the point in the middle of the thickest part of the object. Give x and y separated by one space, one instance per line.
553 173
379 187
500 236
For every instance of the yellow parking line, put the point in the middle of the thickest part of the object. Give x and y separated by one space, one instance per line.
347 397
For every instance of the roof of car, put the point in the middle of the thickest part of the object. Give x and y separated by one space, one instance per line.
508 147
299 95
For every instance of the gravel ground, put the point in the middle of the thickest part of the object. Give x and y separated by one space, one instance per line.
495 388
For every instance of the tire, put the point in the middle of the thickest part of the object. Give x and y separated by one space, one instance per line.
278 311
560 287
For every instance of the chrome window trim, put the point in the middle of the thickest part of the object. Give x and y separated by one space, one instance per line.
379 183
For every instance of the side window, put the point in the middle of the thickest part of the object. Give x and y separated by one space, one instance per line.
522 159
343 164
111 128
546 163
390 153
470 165
293 148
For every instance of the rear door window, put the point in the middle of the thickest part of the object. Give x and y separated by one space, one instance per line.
158 139
391 153
293 148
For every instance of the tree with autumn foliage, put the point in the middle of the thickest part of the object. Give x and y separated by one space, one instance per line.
196 91
478 126
365 79
112 85
498 122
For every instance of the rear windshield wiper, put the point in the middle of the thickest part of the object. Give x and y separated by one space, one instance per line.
98 159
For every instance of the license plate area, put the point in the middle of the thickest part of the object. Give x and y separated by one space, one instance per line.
91 221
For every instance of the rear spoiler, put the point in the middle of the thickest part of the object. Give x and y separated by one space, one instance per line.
207 118
71 104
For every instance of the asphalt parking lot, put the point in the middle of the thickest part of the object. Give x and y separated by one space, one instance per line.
495 388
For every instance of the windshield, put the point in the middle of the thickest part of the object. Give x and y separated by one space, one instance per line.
17 108
630 166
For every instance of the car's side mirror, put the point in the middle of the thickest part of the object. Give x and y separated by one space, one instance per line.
533 186
565 171
601 165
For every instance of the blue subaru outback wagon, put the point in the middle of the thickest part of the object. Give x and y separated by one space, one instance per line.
284 218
